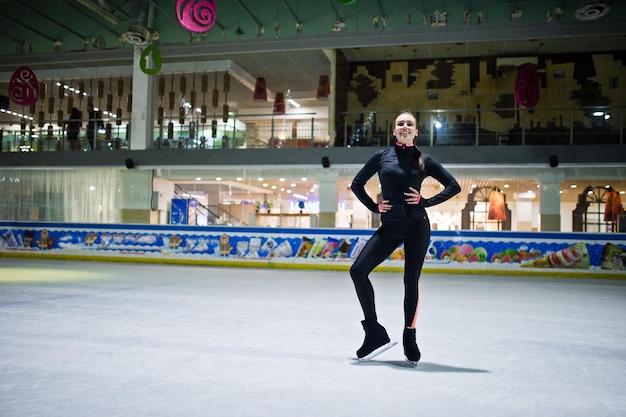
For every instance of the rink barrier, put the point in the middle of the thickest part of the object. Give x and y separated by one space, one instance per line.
553 254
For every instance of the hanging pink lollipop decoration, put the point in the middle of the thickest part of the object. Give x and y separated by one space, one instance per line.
196 15
527 86
24 87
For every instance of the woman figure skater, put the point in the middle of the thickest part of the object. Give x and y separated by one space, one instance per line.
401 171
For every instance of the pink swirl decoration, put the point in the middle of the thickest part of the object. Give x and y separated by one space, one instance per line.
196 15
527 86
24 87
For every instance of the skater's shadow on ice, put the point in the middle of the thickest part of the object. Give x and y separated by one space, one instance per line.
420 367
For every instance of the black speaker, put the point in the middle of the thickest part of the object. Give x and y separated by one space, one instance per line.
325 162
130 163
554 161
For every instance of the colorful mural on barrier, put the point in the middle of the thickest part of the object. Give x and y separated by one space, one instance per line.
464 250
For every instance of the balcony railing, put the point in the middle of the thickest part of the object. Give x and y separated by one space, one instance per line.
460 127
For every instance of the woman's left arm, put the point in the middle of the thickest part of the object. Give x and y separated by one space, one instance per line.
451 186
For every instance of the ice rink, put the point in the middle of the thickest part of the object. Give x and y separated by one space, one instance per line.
89 339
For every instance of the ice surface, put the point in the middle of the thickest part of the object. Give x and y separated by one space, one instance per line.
91 339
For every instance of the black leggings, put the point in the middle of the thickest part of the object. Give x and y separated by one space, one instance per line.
415 234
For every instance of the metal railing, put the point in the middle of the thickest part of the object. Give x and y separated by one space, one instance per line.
489 127
450 127
213 215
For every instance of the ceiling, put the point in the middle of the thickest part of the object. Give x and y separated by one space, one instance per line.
83 39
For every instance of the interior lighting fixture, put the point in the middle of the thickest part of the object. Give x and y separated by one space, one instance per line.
23 116
338 25
290 101
293 103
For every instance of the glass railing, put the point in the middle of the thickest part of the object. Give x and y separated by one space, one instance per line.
461 127
489 127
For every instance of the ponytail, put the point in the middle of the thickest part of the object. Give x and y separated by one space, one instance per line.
419 159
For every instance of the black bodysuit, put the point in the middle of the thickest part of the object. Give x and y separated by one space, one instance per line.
403 223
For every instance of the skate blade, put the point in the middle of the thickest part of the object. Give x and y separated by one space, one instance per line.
412 363
378 351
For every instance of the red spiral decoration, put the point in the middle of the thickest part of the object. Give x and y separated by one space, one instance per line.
196 15
527 86
24 87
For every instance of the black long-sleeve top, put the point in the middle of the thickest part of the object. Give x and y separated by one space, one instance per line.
397 171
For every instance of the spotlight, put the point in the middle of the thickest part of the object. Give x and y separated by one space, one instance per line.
554 161
325 162
130 163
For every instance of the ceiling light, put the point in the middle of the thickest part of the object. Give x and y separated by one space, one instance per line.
303 179
265 184
338 25
260 179
300 196
239 179
218 179
573 186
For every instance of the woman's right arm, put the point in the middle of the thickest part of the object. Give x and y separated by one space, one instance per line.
358 183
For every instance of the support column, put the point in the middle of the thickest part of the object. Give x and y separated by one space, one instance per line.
142 118
328 198
134 204
551 200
